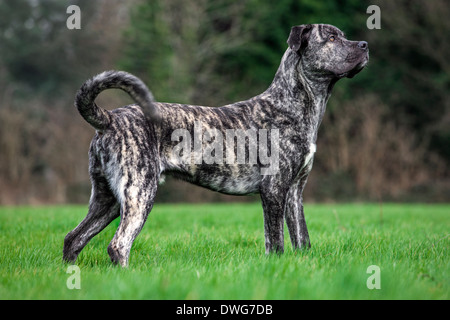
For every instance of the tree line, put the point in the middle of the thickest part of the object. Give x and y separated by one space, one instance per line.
385 135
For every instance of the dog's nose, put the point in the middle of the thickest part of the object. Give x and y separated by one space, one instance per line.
363 45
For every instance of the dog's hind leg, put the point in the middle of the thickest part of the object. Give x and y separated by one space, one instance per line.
136 204
103 208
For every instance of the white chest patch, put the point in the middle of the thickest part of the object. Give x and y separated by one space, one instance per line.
309 155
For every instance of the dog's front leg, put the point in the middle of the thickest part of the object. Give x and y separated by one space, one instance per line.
295 218
273 205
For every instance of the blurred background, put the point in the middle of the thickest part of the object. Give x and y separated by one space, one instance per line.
385 135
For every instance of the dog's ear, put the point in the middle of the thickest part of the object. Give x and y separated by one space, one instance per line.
298 39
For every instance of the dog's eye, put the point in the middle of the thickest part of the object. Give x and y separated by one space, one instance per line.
332 38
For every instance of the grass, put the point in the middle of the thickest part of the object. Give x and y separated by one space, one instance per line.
216 251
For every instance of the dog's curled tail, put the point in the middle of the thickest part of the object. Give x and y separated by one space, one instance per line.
100 118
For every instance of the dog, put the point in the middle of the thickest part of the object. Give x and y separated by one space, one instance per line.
135 145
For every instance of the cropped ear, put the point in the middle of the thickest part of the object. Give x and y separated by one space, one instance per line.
298 39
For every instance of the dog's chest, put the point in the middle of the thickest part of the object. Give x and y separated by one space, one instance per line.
307 161
310 155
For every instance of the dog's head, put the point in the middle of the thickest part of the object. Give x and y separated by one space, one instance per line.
325 52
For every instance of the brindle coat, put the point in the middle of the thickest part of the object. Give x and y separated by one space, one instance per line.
133 147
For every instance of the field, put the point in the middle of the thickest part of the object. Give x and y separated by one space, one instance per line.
216 251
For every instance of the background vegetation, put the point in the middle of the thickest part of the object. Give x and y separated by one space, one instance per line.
385 136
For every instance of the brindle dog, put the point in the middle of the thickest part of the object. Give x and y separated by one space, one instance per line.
134 145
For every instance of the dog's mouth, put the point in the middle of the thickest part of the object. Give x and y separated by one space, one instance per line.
356 69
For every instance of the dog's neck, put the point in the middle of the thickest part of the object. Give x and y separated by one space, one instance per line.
303 94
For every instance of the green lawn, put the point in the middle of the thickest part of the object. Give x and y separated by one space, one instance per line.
216 251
